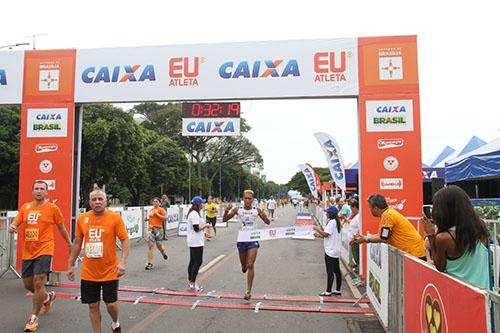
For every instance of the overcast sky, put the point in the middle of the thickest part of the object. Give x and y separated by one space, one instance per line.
458 61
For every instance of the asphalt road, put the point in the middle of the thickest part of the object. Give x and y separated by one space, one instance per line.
284 267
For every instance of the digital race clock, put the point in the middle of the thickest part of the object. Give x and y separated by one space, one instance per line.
211 110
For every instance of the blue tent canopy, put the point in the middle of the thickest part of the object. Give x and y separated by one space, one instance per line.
483 162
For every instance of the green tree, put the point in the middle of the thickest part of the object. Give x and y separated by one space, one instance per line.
299 183
113 150
10 118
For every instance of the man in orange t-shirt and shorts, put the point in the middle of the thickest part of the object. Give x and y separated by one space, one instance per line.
156 217
38 216
101 268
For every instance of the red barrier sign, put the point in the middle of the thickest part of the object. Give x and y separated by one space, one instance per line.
435 302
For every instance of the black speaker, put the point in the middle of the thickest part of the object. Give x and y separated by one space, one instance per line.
436 185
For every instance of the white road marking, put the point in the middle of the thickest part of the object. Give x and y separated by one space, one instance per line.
211 263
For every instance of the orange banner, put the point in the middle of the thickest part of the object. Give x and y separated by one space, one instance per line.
389 119
47 137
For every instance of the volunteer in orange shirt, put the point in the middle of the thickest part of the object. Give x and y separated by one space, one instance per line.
101 268
156 218
38 217
394 229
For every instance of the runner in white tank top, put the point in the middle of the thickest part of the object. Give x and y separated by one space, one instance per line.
247 216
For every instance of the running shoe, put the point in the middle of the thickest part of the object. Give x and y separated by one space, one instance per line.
32 324
197 288
165 256
190 286
117 329
149 266
248 295
46 305
325 293
336 293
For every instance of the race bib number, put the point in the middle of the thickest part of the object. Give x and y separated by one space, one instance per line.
94 250
31 235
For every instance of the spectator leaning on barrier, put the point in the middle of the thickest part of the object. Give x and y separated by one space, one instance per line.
394 228
459 247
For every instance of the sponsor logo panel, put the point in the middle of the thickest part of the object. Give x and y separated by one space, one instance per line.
244 69
51 183
391 163
389 116
47 123
210 126
390 143
48 76
331 66
118 74
391 183
46 166
390 63
46 148
184 71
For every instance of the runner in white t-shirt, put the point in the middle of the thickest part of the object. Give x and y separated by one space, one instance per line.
331 243
271 206
248 213
195 241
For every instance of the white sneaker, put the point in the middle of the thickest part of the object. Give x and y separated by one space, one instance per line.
190 286
197 288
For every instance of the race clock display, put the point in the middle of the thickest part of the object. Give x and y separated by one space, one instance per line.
211 110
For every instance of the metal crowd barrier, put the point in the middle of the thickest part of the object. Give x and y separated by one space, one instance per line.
7 247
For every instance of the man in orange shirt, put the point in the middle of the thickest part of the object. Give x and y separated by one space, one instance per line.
394 229
156 231
101 269
38 216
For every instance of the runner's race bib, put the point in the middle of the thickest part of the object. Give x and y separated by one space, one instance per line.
94 250
31 235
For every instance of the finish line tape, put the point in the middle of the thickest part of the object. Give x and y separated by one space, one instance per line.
275 233
213 294
236 306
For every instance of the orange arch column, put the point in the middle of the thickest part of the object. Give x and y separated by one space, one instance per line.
389 119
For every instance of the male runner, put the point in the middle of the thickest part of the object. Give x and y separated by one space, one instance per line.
38 216
247 215
157 215
271 206
101 269
211 213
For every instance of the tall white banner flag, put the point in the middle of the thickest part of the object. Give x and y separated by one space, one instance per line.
334 158
310 175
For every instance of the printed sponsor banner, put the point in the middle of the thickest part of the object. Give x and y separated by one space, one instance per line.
182 229
391 183
274 233
173 217
210 126
11 77
218 71
310 176
133 222
377 286
335 161
435 302
43 123
389 116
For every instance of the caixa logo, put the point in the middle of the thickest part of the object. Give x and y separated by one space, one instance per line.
212 127
259 69
126 73
310 179
3 77
391 109
333 156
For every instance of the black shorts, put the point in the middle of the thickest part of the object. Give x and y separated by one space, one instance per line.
212 220
40 265
91 291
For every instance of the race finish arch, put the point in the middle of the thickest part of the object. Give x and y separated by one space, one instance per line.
381 72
